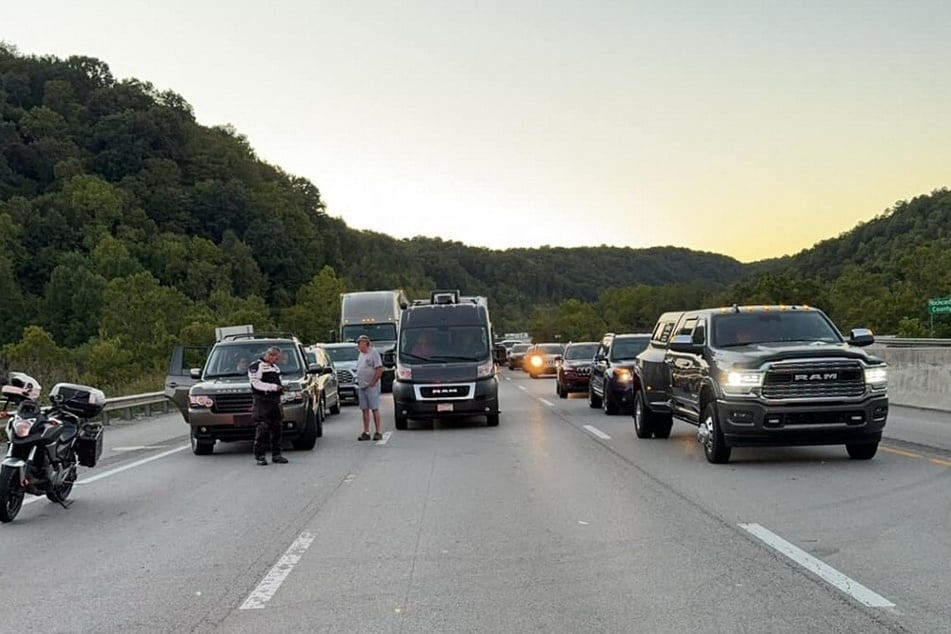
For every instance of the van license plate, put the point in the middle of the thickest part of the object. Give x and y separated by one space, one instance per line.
443 407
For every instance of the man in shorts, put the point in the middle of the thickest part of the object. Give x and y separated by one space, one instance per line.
369 371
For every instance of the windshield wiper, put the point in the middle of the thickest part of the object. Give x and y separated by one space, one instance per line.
415 356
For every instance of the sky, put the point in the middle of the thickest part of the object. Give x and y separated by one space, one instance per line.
752 129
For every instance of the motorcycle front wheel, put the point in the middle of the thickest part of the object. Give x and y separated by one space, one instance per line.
11 494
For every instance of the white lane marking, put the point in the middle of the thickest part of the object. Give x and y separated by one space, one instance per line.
114 471
523 388
597 432
548 403
827 573
386 436
138 447
132 465
275 577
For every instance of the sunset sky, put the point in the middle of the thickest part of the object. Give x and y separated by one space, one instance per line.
748 128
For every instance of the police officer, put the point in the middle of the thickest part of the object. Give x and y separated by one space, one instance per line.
268 414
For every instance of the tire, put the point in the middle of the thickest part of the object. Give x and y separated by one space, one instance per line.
202 447
335 408
594 401
643 417
11 494
492 420
607 401
863 451
307 439
534 376
63 491
662 426
562 392
401 422
714 447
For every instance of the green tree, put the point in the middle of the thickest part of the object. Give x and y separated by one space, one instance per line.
73 301
317 311
38 355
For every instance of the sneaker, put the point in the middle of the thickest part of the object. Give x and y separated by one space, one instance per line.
364 436
279 459
377 436
261 461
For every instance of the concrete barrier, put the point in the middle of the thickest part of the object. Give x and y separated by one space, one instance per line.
919 376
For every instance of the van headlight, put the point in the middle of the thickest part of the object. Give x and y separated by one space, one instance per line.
876 377
485 369
404 373
742 381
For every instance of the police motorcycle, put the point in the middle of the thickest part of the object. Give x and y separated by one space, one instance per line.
45 444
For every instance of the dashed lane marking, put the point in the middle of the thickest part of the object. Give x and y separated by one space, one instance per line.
272 581
546 402
597 432
825 572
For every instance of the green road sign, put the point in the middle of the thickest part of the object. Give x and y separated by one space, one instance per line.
939 305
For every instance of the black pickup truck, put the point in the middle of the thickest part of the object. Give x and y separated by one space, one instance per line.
761 376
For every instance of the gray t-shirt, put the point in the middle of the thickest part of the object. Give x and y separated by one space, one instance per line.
367 363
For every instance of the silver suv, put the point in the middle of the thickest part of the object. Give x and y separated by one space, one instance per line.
213 392
344 356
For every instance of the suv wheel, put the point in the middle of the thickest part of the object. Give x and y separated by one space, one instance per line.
308 436
335 408
607 401
594 401
202 447
865 451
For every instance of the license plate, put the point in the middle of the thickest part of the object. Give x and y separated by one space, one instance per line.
443 407
243 420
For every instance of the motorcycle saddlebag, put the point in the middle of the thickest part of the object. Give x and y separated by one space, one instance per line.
89 444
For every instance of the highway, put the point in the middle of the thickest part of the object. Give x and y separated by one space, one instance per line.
559 520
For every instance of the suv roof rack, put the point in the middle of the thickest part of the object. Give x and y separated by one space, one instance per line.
259 335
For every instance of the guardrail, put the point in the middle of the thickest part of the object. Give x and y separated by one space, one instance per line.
906 342
126 407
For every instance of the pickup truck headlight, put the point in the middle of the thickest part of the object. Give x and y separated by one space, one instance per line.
876 377
622 375
200 400
742 382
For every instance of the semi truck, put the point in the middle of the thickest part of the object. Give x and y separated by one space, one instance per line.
377 315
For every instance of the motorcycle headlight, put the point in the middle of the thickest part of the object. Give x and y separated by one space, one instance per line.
21 427
742 382
200 400
877 376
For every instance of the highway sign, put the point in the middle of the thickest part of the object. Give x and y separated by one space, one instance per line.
939 305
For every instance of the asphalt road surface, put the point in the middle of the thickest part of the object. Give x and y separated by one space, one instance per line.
558 520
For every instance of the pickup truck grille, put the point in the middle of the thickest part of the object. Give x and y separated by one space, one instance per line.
814 379
345 376
232 403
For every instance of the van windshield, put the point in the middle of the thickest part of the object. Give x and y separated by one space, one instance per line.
439 344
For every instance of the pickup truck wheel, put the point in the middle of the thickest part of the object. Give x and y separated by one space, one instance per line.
864 451
594 401
202 447
662 426
643 422
714 444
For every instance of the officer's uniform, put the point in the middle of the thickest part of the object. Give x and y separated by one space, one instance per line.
267 411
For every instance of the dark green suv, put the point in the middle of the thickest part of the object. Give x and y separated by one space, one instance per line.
213 392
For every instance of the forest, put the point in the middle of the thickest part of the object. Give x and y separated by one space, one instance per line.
127 227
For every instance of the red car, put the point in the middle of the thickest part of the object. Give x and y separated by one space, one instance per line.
574 369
